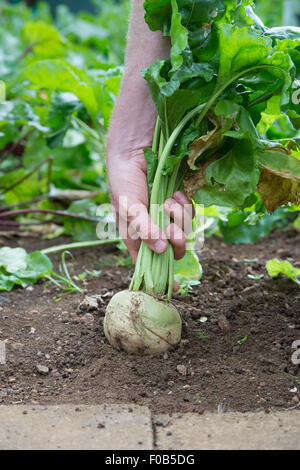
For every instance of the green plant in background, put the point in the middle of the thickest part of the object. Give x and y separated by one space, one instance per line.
276 267
18 268
61 86
63 280
279 12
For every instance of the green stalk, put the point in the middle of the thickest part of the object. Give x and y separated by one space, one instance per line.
70 246
226 84
160 266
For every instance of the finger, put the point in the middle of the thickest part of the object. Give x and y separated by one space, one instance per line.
149 232
133 247
177 239
182 199
182 215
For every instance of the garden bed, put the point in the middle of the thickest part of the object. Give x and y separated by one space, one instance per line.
240 359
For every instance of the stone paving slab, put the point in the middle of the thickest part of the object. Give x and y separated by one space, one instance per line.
129 427
108 427
238 431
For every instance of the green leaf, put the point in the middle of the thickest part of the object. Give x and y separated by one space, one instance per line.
59 75
281 161
152 162
240 48
158 13
179 37
12 259
240 228
270 114
230 179
276 267
19 113
81 230
45 39
21 269
172 103
188 268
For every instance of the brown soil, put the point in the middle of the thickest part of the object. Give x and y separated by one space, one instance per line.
218 373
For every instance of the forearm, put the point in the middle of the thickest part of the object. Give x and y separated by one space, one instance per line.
133 121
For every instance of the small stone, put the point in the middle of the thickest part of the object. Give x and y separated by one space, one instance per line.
158 423
295 399
33 312
87 318
43 370
55 373
181 369
223 323
11 379
91 303
228 292
249 289
17 346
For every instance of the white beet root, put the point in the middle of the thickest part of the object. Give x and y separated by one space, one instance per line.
138 323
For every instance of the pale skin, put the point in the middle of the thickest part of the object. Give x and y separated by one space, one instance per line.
131 130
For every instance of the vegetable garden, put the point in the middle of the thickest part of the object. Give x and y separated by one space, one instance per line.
228 105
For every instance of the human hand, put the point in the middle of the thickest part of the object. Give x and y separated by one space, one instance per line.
127 174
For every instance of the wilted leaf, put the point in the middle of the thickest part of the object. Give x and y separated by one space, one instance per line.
209 140
276 189
196 180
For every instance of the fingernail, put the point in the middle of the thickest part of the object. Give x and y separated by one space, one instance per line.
160 246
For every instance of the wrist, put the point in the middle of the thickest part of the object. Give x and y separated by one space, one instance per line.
133 120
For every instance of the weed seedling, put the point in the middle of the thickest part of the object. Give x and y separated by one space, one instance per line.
241 341
63 280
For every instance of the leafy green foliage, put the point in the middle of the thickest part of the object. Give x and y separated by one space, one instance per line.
278 12
62 77
276 267
243 73
248 227
17 268
188 272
